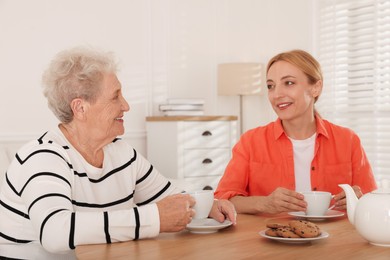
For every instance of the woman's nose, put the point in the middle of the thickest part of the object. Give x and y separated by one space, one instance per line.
125 105
278 92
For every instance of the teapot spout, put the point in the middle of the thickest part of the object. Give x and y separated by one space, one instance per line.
352 201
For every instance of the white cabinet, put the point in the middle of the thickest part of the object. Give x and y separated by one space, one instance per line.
193 149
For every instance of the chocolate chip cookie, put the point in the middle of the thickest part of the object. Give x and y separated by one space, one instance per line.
305 229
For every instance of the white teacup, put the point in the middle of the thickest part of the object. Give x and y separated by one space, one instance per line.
317 202
204 202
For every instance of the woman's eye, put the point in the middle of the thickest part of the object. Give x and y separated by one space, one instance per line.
269 86
289 83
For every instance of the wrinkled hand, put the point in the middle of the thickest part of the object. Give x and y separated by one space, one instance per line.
341 201
284 200
175 212
223 209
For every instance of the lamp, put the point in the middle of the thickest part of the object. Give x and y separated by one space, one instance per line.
240 79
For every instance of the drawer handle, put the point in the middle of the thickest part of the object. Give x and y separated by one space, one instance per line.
207 161
207 187
207 133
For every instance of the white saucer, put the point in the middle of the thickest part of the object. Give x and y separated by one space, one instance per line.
207 226
295 240
329 214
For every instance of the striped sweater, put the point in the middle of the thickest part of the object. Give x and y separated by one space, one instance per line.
51 195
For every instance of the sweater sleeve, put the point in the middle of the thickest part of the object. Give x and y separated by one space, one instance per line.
151 185
116 226
46 189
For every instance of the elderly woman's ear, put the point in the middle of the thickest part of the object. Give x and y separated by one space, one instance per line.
78 107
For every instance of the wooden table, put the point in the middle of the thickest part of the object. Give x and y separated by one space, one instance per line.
243 242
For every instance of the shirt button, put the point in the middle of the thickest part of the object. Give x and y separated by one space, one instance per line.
313 168
315 188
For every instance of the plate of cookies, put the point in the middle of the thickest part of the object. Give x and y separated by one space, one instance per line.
296 231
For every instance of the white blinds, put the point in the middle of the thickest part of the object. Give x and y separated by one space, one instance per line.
354 51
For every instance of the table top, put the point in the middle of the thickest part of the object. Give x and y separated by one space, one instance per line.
243 241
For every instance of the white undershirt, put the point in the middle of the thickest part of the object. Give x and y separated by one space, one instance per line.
303 155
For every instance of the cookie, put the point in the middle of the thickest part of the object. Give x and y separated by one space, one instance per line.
275 225
304 228
319 230
286 232
271 232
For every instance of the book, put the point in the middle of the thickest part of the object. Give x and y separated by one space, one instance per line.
184 113
186 101
171 107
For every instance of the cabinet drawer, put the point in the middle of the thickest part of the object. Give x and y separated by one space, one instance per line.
206 134
205 162
199 183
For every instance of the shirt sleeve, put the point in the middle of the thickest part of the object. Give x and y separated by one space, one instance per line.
234 182
361 168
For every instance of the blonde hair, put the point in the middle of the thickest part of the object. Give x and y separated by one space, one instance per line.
304 61
75 73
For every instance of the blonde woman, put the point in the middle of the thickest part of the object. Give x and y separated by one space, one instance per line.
300 151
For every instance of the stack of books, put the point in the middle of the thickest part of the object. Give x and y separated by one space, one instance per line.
183 107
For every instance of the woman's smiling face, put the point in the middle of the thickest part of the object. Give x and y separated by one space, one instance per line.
289 91
105 116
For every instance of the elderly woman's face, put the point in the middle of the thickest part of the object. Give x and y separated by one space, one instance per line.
105 116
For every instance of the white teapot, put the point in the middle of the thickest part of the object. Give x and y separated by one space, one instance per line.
370 214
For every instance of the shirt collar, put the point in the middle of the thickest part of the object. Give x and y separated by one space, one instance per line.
321 130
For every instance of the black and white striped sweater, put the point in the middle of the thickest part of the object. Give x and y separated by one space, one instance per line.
53 196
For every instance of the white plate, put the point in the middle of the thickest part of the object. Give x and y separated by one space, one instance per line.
295 240
207 226
329 214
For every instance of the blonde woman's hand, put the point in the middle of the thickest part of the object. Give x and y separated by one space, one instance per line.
341 201
283 200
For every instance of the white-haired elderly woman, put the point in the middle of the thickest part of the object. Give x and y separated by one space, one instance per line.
78 183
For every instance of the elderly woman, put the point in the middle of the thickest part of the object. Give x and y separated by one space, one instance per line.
80 184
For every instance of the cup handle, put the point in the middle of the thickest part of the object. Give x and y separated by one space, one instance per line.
332 207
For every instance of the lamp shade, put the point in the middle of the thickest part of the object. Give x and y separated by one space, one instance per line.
240 79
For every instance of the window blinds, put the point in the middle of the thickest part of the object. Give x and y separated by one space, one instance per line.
354 52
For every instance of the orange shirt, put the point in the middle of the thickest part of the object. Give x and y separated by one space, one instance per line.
263 161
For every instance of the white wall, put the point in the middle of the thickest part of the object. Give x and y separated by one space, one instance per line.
255 31
166 48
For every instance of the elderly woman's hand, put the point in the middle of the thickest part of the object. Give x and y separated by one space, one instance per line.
175 212
223 209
